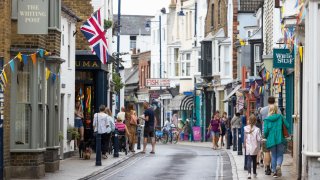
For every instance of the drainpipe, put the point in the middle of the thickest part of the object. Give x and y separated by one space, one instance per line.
300 123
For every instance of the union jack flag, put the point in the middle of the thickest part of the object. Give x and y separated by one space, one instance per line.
93 31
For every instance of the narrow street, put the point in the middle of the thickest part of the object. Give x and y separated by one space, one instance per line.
173 162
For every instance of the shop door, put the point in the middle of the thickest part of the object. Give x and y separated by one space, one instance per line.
88 111
289 83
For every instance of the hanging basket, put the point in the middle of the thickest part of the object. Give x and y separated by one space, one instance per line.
107 24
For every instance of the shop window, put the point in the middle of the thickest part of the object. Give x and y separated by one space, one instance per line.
133 42
23 108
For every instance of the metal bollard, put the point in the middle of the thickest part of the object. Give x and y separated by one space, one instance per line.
239 142
139 138
228 138
235 139
116 144
98 149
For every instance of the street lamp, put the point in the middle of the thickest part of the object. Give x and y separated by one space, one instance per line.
181 13
148 27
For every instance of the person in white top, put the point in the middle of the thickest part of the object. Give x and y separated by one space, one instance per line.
100 125
252 138
111 128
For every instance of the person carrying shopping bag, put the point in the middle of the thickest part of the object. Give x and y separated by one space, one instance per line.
252 138
274 126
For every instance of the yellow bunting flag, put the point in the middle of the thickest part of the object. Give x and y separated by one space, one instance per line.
267 76
280 80
5 76
242 43
47 73
46 53
19 56
301 53
34 58
260 90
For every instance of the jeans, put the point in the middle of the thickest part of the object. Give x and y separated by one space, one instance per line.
252 159
276 156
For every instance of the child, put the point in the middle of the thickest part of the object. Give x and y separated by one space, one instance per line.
121 126
252 138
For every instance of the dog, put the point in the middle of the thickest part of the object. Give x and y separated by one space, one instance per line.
87 153
82 148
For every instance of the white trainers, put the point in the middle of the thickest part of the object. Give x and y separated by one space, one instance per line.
255 175
278 171
249 176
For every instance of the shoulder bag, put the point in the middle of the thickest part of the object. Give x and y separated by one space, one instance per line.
284 130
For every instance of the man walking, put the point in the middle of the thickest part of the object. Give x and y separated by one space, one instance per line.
148 127
267 157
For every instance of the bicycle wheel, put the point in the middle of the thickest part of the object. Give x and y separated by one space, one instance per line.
164 138
175 137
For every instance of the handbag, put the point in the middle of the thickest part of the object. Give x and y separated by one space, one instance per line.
285 130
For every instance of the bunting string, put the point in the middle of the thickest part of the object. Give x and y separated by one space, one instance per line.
24 58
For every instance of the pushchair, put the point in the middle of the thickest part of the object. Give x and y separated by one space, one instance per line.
123 142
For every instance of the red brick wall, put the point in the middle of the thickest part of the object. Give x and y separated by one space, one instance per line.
144 68
82 9
5 41
235 38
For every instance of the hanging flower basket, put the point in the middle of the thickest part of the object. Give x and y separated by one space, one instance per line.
107 24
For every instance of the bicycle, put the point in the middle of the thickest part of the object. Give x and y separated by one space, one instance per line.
171 136
160 136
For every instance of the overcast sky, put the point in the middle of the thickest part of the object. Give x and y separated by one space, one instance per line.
140 7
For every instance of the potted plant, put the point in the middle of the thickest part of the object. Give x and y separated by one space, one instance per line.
107 24
72 133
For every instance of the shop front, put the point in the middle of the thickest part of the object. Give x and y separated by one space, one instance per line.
91 88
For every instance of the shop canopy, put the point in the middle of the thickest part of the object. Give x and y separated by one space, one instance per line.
232 93
181 102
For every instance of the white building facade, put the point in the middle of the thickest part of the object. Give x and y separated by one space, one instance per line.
311 93
67 52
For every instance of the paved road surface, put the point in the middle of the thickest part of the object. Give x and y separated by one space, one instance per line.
173 162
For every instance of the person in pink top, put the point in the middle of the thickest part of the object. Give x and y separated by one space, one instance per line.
252 139
121 126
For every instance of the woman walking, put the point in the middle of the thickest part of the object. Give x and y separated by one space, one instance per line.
100 125
273 126
215 129
252 138
131 123
224 120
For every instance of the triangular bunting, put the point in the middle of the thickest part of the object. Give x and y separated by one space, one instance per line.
19 56
25 59
34 58
47 73
53 77
2 78
41 53
46 53
12 65
5 76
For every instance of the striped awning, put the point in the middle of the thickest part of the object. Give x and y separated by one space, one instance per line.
181 102
187 103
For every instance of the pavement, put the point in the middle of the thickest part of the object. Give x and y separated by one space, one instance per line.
75 168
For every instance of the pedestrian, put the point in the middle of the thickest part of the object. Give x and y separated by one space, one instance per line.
215 129
273 126
235 125
100 125
224 120
149 127
131 123
266 152
78 124
110 128
252 138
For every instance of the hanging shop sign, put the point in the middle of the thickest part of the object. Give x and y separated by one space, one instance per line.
33 16
158 83
283 58
143 97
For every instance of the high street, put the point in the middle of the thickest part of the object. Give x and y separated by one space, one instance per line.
173 162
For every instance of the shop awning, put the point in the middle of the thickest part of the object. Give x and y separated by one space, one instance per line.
181 102
187 103
232 93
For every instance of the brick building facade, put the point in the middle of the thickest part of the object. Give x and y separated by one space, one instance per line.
27 154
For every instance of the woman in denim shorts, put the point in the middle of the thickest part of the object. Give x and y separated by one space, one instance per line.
78 116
